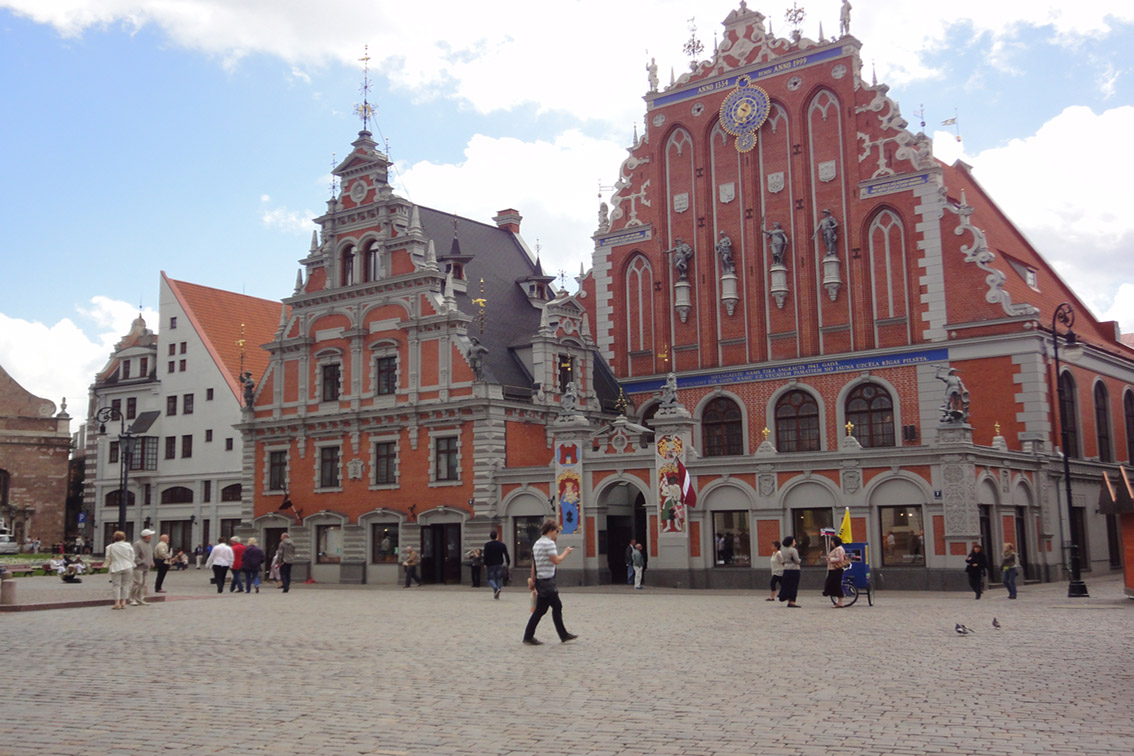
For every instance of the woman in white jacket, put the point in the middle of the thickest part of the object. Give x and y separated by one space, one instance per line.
120 565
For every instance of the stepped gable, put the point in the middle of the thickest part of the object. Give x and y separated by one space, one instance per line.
497 257
217 316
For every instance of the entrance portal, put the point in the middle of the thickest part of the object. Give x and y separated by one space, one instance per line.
441 553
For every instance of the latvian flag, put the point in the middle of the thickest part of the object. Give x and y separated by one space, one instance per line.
688 495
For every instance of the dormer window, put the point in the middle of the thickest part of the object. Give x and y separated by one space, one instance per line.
125 369
457 270
1031 278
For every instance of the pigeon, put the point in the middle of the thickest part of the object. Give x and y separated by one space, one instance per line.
995 623
962 630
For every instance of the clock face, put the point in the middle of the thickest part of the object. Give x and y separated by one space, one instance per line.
743 113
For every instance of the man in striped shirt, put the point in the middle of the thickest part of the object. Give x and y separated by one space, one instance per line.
545 557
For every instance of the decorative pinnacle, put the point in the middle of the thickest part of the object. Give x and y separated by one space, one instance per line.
365 110
996 428
849 426
766 433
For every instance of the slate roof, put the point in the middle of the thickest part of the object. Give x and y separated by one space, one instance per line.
217 316
496 255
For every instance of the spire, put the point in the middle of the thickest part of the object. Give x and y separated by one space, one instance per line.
415 221
450 298
283 316
431 256
544 322
314 240
364 110
299 280
821 37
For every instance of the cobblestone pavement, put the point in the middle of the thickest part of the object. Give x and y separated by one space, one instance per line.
440 670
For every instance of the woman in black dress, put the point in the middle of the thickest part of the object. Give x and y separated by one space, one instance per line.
834 585
789 586
976 564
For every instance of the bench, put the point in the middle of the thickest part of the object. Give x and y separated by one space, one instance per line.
22 569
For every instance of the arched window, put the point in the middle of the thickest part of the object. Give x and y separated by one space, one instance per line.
111 499
639 304
177 495
1102 423
346 272
721 428
871 411
1128 412
371 265
230 493
1069 413
797 422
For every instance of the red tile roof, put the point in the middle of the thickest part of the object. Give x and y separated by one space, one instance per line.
219 317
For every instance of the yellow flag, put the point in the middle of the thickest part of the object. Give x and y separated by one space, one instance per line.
844 529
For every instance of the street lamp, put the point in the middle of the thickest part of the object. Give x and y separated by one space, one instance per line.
126 442
1065 316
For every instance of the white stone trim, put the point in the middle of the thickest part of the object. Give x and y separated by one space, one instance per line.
395 439
267 477
317 459
433 436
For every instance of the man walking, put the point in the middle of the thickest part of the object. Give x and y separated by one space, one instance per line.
237 564
143 560
545 558
630 562
495 557
220 559
161 561
286 555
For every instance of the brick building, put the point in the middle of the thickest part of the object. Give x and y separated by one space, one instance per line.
35 442
813 276
418 375
790 297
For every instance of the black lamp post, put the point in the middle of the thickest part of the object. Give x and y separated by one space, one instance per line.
126 441
1065 316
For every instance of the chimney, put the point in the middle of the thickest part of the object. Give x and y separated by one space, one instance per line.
509 220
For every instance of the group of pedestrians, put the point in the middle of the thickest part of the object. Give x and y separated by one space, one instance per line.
976 567
128 566
247 562
635 564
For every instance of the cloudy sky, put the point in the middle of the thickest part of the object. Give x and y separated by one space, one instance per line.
196 136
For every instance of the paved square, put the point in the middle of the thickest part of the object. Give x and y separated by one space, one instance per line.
441 670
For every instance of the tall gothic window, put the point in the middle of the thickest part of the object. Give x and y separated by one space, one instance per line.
721 428
1102 423
797 422
1128 413
639 305
871 410
1069 413
346 275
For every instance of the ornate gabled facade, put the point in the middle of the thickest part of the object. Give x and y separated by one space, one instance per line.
818 282
423 356
180 392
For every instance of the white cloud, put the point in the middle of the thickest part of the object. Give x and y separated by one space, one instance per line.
61 359
576 57
497 173
282 219
1068 195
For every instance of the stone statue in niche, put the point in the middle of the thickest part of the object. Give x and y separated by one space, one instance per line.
778 241
249 388
682 253
476 358
652 71
569 402
955 408
724 249
669 391
828 229
844 18
603 218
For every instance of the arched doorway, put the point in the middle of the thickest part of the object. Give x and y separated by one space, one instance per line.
626 520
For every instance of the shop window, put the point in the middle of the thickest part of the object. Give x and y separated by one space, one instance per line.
329 544
732 540
903 536
1069 414
722 429
797 422
871 410
384 543
1102 423
527 533
806 527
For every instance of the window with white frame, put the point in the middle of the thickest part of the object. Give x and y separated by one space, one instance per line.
384 463
328 467
277 470
446 458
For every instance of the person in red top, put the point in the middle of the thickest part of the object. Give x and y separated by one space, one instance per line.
237 563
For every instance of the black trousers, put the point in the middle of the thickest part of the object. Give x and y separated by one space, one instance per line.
218 576
475 577
162 568
285 576
976 582
545 599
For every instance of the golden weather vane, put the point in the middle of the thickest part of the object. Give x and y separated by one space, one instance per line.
664 354
795 15
694 46
482 303
365 110
240 343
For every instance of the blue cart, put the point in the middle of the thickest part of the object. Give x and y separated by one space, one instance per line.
856 578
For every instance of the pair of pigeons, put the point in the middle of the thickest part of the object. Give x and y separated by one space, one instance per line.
962 630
